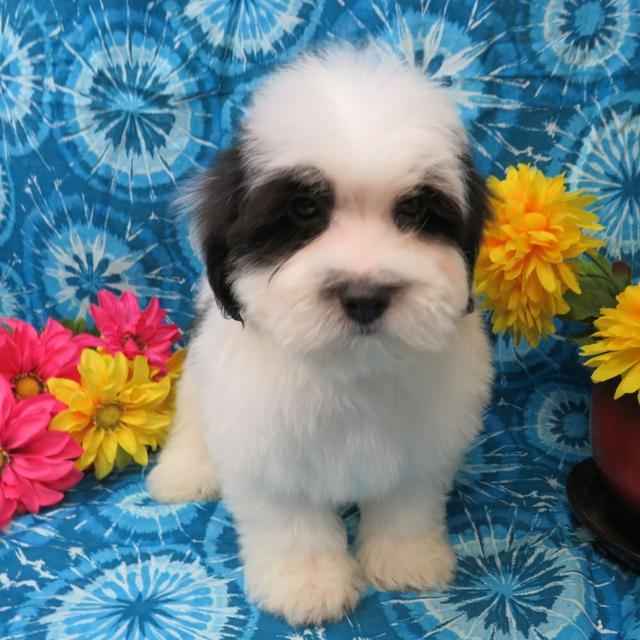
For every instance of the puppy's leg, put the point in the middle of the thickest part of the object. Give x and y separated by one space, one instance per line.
296 562
403 542
184 471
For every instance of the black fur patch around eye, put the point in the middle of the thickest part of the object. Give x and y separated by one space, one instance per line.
268 229
430 213
259 226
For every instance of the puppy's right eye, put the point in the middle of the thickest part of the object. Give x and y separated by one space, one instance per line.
304 208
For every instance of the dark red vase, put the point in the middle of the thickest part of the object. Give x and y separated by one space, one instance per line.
615 439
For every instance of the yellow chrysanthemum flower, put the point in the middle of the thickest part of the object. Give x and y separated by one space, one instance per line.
527 261
116 409
617 350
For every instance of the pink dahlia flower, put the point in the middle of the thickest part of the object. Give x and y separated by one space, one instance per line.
29 359
36 465
126 329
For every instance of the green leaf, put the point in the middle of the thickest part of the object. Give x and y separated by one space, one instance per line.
78 325
599 285
587 304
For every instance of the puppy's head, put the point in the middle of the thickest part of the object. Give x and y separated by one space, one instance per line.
348 215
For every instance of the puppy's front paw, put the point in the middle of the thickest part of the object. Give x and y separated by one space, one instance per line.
174 480
398 564
305 589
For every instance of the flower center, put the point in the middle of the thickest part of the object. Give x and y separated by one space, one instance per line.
4 459
28 385
107 416
136 340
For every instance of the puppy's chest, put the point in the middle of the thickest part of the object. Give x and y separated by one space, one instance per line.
350 449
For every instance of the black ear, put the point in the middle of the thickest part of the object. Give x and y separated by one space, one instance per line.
218 195
478 211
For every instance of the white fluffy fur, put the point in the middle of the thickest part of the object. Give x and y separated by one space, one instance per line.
299 413
362 118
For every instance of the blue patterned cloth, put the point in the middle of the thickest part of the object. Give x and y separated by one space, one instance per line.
107 105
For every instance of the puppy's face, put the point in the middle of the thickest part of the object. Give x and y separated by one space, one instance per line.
348 216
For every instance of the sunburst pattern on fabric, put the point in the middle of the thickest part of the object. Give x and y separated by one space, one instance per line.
76 247
556 422
136 111
599 150
583 42
24 67
513 581
245 33
608 164
141 595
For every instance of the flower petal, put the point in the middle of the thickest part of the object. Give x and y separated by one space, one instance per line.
70 421
140 456
110 446
126 439
103 465
40 468
7 402
53 444
28 494
617 364
45 495
7 509
630 382
63 389
66 482
28 420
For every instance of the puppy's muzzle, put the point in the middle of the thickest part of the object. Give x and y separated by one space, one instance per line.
364 302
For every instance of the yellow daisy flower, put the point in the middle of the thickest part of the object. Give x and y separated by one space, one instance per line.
116 409
527 261
616 352
174 370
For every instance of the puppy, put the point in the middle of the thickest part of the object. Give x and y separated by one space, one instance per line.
346 363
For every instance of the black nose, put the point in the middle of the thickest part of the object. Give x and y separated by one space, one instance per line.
363 302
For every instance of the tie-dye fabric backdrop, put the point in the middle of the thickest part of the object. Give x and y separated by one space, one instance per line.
107 105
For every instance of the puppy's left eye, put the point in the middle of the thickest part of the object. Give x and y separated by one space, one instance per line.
303 208
411 210
428 212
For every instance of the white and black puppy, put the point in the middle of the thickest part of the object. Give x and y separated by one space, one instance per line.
346 363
